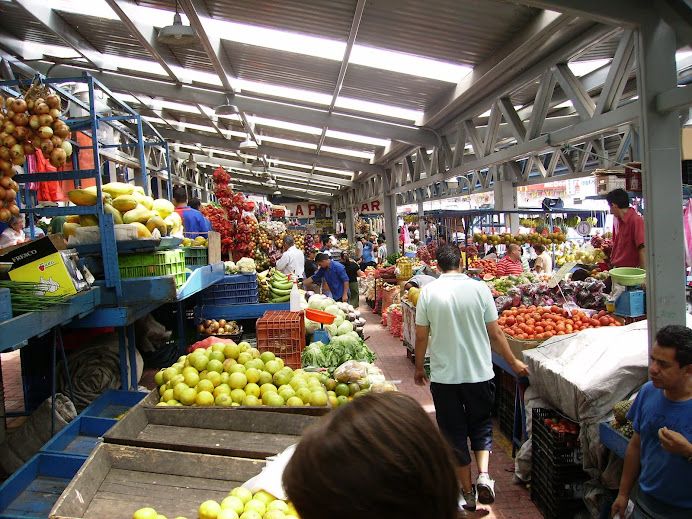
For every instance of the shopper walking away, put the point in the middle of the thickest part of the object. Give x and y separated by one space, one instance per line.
544 263
353 272
660 450
334 273
14 233
460 316
511 265
381 251
193 221
292 260
196 204
628 232
412 477
368 258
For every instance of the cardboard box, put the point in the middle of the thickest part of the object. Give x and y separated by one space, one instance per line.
40 261
686 144
518 346
606 183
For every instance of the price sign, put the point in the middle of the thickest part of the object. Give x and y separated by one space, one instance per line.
584 228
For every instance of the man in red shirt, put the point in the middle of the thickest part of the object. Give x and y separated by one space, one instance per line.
511 265
628 232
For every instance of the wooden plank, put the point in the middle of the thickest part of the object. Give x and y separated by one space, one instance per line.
211 441
128 478
214 247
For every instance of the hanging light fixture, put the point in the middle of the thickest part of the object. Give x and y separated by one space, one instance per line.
277 192
177 34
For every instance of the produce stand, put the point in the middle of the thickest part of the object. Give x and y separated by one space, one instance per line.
613 440
117 480
33 490
219 430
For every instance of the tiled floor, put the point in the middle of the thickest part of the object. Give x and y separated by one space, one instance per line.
512 500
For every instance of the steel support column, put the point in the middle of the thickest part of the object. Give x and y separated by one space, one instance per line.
665 259
350 225
421 221
506 200
390 226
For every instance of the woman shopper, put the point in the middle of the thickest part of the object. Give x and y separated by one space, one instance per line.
393 464
353 272
14 233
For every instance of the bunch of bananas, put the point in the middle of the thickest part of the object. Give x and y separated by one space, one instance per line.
274 286
572 221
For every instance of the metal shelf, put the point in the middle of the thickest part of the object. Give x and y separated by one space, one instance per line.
15 332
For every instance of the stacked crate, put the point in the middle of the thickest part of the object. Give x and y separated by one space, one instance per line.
196 256
162 263
557 476
236 289
282 333
505 396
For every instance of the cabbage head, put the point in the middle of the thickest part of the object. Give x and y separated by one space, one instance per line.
327 302
315 302
345 327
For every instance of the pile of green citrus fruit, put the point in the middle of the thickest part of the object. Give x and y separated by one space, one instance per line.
240 504
237 375
341 393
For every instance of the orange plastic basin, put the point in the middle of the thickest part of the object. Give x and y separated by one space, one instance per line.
319 316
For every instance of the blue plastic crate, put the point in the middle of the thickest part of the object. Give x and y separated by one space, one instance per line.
80 437
232 290
31 491
112 403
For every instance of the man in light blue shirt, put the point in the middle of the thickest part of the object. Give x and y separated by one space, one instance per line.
460 317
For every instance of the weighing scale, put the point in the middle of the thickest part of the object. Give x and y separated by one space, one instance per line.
632 302
323 318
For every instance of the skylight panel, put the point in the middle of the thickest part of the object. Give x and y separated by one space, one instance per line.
377 108
285 125
286 92
345 173
96 8
582 68
408 64
357 138
288 142
351 153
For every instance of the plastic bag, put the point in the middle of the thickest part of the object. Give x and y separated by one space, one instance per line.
351 371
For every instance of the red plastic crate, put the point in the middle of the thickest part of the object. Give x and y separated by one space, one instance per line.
282 333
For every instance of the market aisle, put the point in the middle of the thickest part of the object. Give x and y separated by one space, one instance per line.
512 500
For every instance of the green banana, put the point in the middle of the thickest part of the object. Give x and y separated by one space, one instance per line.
280 292
280 275
281 286
281 299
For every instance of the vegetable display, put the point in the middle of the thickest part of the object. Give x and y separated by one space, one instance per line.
542 322
585 294
220 327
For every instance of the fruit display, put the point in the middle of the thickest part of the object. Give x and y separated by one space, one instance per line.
240 502
501 285
27 124
542 322
354 379
274 286
586 255
199 241
299 240
561 425
230 374
585 294
621 423
488 266
130 206
533 238
220 327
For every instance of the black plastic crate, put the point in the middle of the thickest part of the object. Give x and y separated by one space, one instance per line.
561 446
505 399
558 481
553 507
687 172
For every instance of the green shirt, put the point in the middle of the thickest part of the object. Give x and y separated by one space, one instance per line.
457 308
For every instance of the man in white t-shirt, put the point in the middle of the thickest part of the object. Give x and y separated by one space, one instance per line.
292 260
460 317
381 251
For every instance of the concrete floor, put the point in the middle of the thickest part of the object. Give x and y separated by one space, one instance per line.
512 500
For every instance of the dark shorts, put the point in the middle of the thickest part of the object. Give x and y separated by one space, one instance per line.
464 413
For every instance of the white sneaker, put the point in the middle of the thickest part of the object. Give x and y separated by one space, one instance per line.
469 499
486 489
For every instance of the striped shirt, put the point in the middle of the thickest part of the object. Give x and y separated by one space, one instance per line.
507 267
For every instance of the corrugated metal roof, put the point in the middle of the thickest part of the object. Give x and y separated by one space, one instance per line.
280 68
391 88
325 18
464 32
22 25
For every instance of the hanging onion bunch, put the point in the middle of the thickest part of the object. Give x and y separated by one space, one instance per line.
28 124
